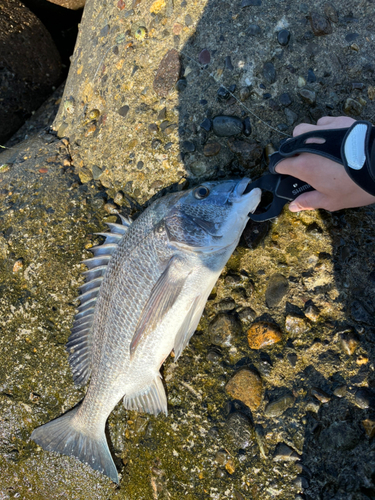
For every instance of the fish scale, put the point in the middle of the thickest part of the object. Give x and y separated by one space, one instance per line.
146 289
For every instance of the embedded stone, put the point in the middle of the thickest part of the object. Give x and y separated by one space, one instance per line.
263 334
211 149
246 386
168 73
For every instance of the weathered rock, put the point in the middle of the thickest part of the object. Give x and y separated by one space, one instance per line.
277 288
30 65
246 386
320 25
222 330
240 430
211 149
285 453
263 334
226 126
296 324
277 407
168 73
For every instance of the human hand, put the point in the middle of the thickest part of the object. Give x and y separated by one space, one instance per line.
334 189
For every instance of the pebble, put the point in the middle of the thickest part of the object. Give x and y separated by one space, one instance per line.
349 342
253 30
352 107
340 391
221 457
204 57
277 407
240 430
255 232
245 93
292 358
211 149
188 20
301 482
269 72
301 82
308 96
251 3
228 63
331 12
222 329
263 334
369 426
320 395
181 85
18 266
277 288
283 37
296 324
320 24
284 453
365 398
350 37
291 116
188 146
312 406
311 311
153 128
222 94
259 436
247 315
285 99
247 126
311 78
227 126
246 386
249 151
168 73
206 124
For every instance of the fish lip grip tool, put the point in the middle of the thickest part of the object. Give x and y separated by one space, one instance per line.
352 147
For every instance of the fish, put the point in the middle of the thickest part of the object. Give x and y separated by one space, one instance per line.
145 292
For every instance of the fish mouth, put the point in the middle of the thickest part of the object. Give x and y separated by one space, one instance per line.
240 187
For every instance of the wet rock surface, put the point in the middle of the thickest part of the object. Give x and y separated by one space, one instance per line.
310 433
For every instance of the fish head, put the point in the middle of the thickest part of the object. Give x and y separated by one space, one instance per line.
211 215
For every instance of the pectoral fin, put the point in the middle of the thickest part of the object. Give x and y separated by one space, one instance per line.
189 325
163 295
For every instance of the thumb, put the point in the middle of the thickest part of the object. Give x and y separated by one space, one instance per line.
308 201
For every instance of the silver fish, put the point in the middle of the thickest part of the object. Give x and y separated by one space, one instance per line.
145 292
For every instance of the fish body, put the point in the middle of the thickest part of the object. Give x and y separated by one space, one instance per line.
146 290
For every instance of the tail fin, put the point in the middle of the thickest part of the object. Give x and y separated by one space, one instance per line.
63 437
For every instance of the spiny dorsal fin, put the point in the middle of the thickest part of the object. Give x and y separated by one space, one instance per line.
79 345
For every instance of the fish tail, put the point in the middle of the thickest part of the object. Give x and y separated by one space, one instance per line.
64 436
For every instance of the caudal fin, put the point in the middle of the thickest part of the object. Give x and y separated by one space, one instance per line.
63 437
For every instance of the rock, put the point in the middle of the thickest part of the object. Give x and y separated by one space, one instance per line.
277 407
291 116
285 99
247 127
269 72
371 92
123 111
296 324
311 311
206 124
352 107
349 342
222 94
168 73
247 315
369 426
277 288
253 30
284 453
222 329
255 232
181 85
227 126
340 391
204 57
339 436
246 386
308 96
301 483
228 63
311 78
292 358
263 334
240 430
244 93
331 12
320 395
320 25
283 37
365 398
211 149
30 65
188 146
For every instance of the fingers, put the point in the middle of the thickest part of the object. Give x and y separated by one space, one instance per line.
308 201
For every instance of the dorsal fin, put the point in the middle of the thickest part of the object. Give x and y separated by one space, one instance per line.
79 345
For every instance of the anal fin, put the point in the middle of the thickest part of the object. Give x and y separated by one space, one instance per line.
151 400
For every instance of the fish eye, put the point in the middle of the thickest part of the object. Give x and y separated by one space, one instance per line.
201 192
